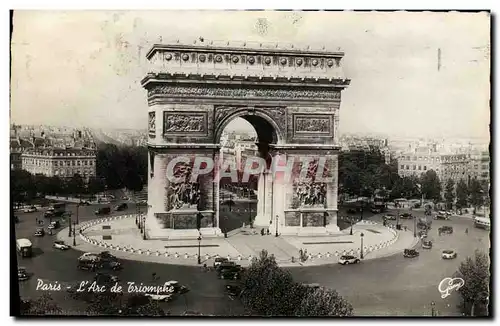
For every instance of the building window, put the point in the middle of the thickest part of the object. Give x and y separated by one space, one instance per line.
78 162
73 163
419 168
414 167
86 162
402 167
425 167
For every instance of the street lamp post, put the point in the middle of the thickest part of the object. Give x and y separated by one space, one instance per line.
361 254
144 227
414 226
351 220
277 225
433 311
199 249
74 234
77 210
69 235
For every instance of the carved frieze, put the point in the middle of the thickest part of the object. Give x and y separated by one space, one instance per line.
311 194
312 125
185 123
244 92
152 123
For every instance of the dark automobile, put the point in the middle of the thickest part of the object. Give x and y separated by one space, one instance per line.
219 260
229 274
352 211
233 290
22 274
40 232
225 264
406 216
410 253
103 211
121 207
109 264
445 229
178 289
48 214
88 264
54 225
84 203
104 278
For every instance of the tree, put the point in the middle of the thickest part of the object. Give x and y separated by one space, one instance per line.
96 185
268 290
462 194
75 185
21 186
43 305
476 275
431 187
476 193
449 194
323 302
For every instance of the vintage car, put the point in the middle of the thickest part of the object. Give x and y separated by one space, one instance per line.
346 260
427 244
40 232
22 274
446 229
233 290
60 245
449 254
410 253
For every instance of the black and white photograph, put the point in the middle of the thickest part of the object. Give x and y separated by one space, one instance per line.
250 163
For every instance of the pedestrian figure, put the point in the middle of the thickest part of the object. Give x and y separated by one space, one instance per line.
467 231
154 276
268 232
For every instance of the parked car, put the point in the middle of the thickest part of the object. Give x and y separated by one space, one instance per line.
449 254
446 229
346 260
40 232
449 213
84 203
30 209
22 274
121 207
88 264
427 244
233 290
60 245
410 253
389 217
220 260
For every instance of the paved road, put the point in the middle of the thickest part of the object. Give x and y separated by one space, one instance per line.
206 295
402 286
387 286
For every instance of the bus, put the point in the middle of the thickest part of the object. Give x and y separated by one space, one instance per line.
24 247
482 222
58 209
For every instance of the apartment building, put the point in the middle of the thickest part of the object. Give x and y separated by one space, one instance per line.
60 162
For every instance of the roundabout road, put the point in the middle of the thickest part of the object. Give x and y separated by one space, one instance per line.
387 286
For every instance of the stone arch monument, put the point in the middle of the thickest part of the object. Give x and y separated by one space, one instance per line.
292 98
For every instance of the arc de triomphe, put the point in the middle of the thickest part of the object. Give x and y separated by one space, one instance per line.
291 97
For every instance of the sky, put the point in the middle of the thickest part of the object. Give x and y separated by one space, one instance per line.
83 68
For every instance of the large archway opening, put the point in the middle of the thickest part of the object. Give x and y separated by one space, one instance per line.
243 136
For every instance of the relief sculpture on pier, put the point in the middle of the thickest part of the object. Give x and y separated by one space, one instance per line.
184 123
186 193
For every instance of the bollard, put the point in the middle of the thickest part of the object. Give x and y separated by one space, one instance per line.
328 254
166 254
207 257
176 255
239 257
186 255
